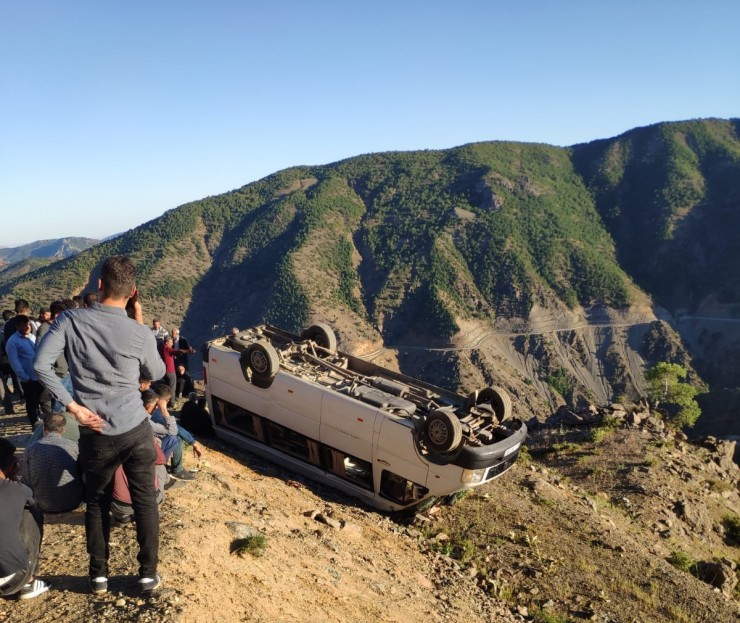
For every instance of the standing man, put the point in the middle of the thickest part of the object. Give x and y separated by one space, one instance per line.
107 352
60 367
21 349
21 308
5 375
180 343
168 355
159 332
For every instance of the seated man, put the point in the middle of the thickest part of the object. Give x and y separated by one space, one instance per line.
50 468
21 526
195 417
121 508
163 391
72 431
144 383
164 427
184 382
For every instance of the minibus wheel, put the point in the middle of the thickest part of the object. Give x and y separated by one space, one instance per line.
497 396
323 335
442 431
262 360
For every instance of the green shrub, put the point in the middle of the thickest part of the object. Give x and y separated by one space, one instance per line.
731 523
603 429
254 544
560 381
682 561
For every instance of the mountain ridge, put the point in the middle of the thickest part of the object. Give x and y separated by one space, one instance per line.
50 248
413 247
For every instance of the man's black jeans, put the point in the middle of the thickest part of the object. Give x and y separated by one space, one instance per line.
32 395
101 455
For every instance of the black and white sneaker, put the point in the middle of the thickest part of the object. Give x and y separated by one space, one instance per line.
173 483
147 585
183 474
99 585
33 589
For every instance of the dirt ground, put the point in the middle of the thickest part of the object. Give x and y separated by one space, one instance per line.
581 529
366 568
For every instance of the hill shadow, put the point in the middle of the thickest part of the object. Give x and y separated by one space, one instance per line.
235 294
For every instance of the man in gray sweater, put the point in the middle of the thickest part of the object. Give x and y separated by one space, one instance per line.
107 352
51 468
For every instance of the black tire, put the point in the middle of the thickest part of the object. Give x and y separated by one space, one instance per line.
262 362
262 382
442 431
499 399
323 335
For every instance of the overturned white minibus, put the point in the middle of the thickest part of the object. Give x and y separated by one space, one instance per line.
391 440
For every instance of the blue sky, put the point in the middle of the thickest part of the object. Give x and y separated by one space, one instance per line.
112 113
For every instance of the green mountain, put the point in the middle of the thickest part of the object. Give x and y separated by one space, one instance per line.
525 265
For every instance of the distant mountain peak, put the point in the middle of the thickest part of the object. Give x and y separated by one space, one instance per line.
56 248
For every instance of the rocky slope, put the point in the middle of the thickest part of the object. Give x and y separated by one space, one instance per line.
587 526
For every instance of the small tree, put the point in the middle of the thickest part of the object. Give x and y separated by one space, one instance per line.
667 387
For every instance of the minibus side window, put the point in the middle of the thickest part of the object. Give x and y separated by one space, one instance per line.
244 421
348 467
219 406
289 441
398 489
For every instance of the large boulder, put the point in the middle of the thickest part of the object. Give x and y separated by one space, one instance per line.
719 573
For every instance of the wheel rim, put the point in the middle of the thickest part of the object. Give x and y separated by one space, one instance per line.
437 432
259 361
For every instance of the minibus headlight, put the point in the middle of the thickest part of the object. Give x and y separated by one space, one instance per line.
472 476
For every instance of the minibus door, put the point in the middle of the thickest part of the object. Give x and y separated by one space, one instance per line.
395 451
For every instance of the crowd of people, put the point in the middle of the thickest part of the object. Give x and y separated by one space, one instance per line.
99 388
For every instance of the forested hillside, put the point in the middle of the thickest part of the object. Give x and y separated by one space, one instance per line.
527 265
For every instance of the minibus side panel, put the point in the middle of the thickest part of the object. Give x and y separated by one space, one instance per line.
347 425
395 451
294 403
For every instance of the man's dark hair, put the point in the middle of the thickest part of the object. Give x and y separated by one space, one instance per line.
21 306
21 319
149 397
70 304
77 298
55 422
90 298
43 310
8 314
56 308
118 276
7 454
163 390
